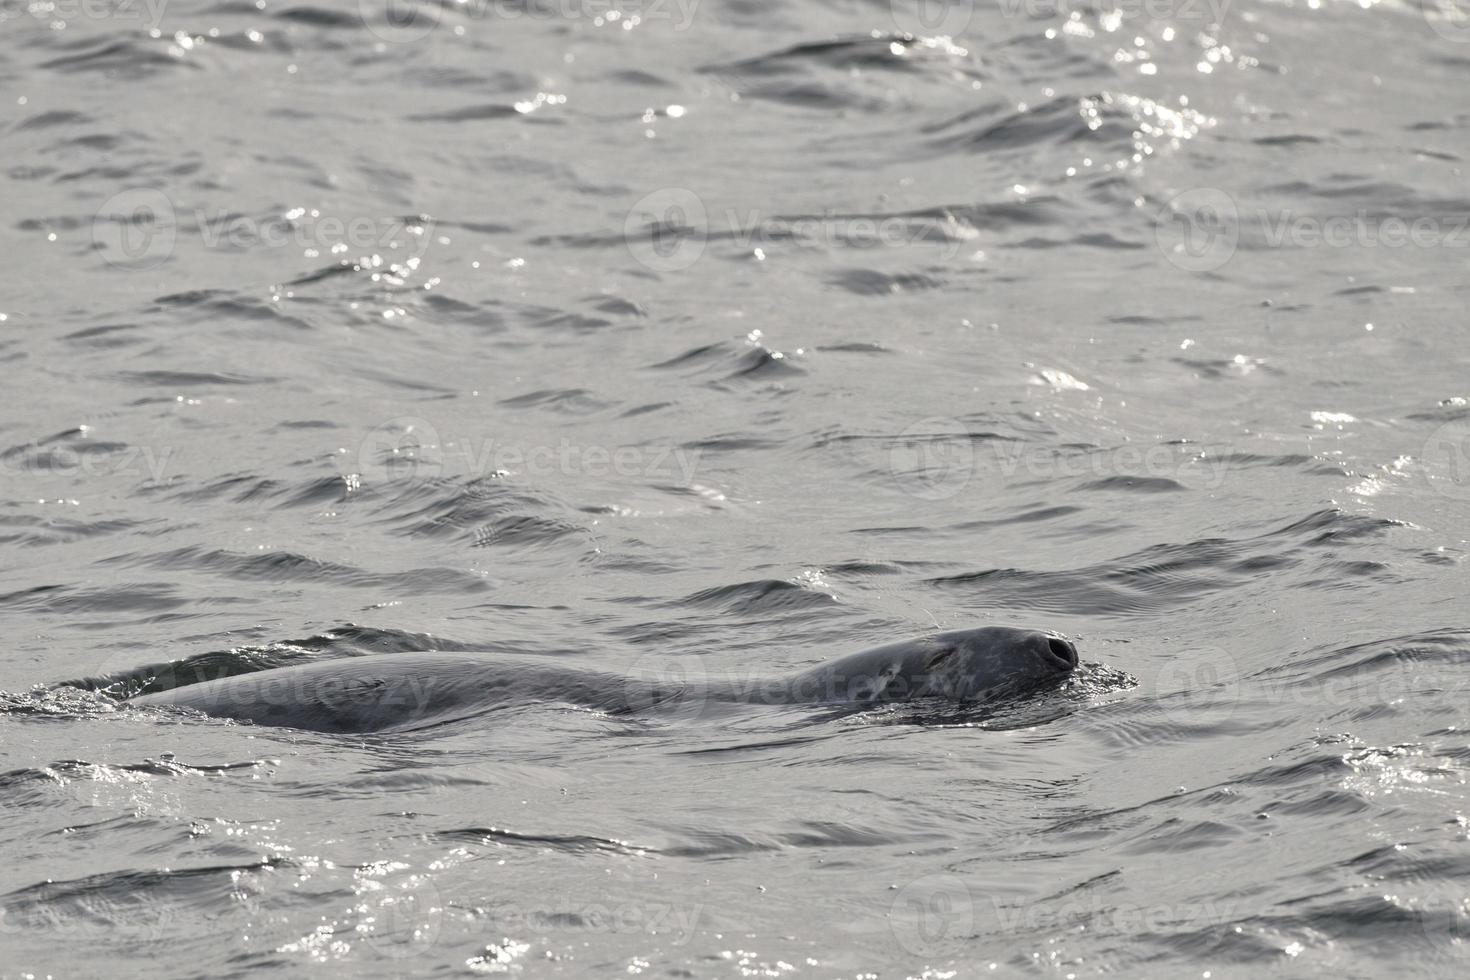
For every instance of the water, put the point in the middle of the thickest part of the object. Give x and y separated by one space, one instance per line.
734 336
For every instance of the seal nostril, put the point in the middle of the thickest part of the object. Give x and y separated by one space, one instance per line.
1062 650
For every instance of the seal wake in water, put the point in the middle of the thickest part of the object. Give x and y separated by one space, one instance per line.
403 691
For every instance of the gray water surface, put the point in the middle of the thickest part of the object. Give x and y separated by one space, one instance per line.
717 336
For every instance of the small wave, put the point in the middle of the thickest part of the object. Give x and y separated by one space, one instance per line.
1001 127
231 305
835 74
46 120
729 361
1134 484
581 844
107 336
1447 649
188 379
869 282
1168 575
35 531
761 596
243 488
74 600
60 705
469 113
127 58
287 566
570 401
152 902
320 17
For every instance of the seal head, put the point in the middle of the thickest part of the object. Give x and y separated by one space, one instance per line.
971 664
963 665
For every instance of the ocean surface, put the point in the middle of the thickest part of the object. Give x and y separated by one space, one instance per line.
683 337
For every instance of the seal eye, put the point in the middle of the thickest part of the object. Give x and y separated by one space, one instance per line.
941 657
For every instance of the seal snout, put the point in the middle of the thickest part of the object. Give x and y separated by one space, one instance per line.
1063 652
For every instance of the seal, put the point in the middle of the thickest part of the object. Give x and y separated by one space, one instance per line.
406 691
